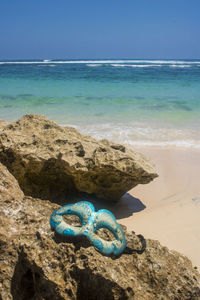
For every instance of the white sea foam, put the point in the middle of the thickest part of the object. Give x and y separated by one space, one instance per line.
66 62
135 66
94 65
165 144
136 135
180 66
130 61
163 61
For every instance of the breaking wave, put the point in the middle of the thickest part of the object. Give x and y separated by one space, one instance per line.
143 136
133 62
135 66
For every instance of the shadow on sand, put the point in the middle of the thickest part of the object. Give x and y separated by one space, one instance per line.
124 208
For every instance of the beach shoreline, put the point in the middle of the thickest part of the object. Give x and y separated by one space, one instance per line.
167 209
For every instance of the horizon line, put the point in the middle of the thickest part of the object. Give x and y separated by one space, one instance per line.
110 58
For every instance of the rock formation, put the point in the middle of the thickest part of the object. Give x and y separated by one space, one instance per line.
52 162
36 264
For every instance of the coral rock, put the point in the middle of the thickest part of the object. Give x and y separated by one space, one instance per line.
37 264
53 162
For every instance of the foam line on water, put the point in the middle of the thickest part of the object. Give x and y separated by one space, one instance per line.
136 135
94 65
179 66
162 144
131 61
135 66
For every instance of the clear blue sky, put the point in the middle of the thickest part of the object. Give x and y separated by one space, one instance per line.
99 29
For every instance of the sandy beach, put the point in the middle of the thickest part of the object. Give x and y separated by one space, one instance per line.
168 208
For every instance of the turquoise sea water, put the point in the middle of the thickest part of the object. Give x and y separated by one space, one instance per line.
139 102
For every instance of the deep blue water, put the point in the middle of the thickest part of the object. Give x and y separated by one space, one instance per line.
130 101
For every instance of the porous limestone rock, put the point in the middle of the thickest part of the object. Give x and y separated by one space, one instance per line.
52 162
9 187
36 264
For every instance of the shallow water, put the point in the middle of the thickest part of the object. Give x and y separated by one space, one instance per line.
140 102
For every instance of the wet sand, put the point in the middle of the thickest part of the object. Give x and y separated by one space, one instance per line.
167 209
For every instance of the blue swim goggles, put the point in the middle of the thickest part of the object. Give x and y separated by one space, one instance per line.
91 221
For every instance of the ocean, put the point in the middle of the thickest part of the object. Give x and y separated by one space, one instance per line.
136 102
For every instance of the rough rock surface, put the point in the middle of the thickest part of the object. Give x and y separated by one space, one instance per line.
35 264
52 162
